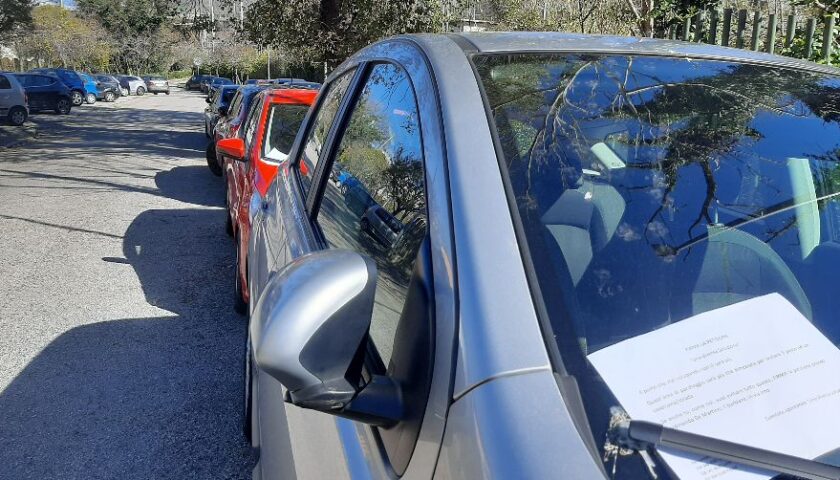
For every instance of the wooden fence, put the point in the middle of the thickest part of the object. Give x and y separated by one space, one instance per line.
797 37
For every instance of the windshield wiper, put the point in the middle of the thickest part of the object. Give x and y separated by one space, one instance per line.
640 435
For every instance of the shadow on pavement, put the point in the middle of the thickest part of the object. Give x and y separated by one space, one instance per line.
142 397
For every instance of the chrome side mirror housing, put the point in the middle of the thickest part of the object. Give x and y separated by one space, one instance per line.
309 331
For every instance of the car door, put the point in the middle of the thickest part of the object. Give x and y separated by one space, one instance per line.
6 94
414 328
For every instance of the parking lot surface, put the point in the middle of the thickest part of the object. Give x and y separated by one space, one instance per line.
120 354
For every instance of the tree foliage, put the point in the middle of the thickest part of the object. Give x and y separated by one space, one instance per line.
59 37
14 14
331 30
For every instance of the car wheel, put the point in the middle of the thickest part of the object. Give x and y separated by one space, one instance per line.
212 161
124 92
247 408
62 106
343 189
141 90
17 116
167 92
77 98
90 98
155 93
110 96
239 304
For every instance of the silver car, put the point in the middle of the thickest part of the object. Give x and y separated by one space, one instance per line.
561 194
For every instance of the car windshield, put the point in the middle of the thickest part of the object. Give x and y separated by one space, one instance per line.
283 123
652 190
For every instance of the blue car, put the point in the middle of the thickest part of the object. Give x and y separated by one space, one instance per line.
92 90
72 79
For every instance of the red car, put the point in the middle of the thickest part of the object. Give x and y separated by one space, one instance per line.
250 160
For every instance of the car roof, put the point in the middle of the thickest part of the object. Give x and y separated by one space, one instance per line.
499 42
279 94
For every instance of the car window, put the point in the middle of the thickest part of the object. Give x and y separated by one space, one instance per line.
320 128
5 84
283 123
381 168
235 104
653 191
24 80
253 121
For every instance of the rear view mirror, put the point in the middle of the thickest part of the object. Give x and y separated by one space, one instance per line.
309 331
231 147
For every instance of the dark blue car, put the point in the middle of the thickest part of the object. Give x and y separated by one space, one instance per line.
70 78
46 92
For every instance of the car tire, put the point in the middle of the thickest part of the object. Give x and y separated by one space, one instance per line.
90 98
141 91
239 305
110 96
167 92
63 106
17 116
212 160
77 98
155 93
124 92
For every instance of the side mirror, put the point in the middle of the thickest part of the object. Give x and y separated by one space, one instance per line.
232 147
309 331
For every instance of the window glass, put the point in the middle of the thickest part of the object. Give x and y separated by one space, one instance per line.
24 80
653 190
235 104
320 127
282 127
375 201
5 84
253 121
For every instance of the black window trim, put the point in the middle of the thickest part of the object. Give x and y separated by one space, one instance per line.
306 128
316 190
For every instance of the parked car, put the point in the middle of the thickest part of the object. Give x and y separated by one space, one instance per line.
228 126
133 85
194 82
381 225
71 78
46 92
575 192
112 84
217 106
93 91
215 82
156 84
14 105
251 159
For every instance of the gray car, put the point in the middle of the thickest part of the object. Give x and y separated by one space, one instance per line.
561 194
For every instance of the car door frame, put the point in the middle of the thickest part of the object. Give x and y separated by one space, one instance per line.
360 440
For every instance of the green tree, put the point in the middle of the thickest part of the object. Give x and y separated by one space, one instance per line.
14 14
331 30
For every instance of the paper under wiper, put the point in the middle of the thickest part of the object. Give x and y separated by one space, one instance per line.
755 372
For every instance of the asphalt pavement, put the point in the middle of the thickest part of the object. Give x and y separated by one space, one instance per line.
120 354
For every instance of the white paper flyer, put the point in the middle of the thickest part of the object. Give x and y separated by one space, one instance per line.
756 372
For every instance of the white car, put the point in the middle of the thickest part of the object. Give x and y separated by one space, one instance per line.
134 85
14 104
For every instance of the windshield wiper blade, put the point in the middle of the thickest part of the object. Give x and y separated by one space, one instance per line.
639 435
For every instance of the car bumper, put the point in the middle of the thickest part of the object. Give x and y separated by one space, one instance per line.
157 88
